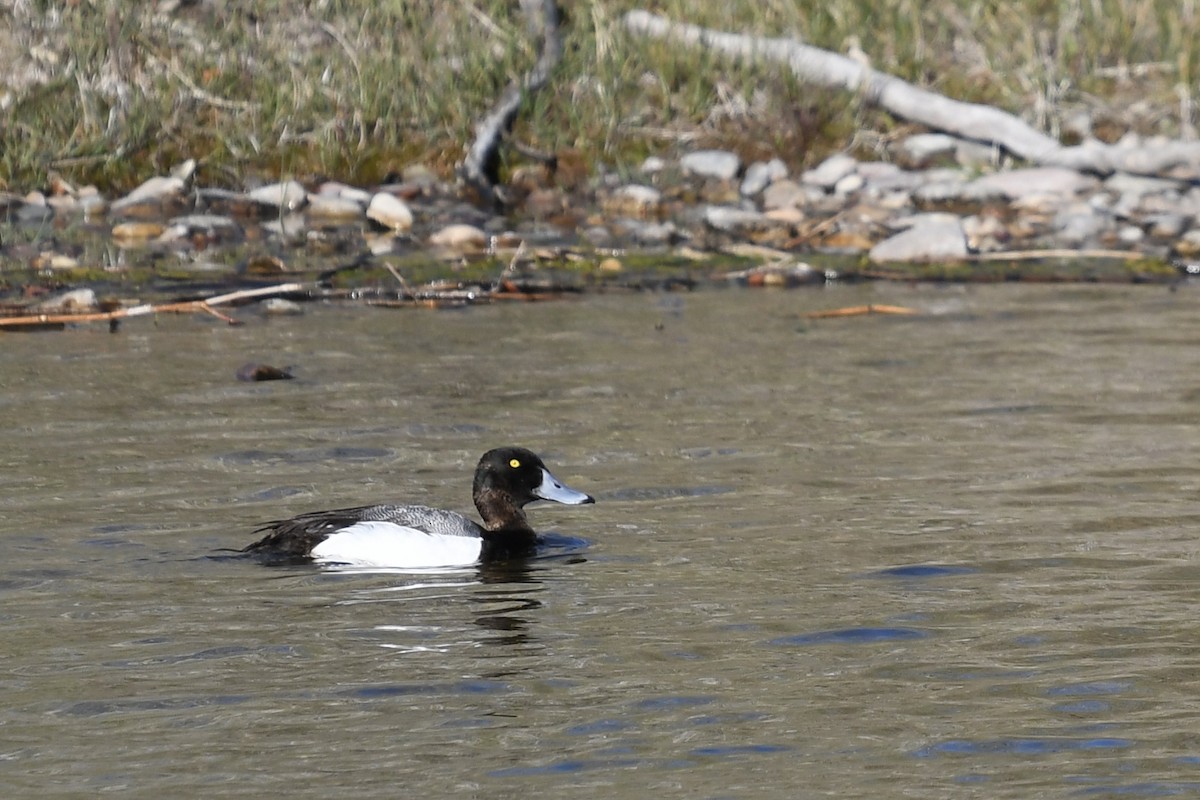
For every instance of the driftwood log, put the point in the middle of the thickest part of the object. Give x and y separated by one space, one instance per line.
481 166
980 123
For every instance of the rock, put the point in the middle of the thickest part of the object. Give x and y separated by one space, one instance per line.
653 165
785 216
344 192
610 265
732 219
1188 245
830 171
51 260
390 212
419 175
719 164
1167 226
206 223
784 194
1138 185
288 195
849 184
761 174
91 203
460 238
289 226
778 275
281 307
34 213
932 237
1078 223
1017 183
63 205
940 188
985 233
652 234
923 149
1130 234
134 233
633 200
155 191
334 208
597 236
880 177
74 300
264 372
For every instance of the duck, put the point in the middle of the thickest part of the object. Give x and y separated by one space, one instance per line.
414 536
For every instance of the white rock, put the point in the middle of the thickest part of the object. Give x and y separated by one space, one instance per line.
731 218
288 195
830 171
390 211
652 165
720 164
932 237
281 307
1034 180
849 184
634 200
74 300
461 238
153 190
924 147
1078 223
760 174
335 207
343 191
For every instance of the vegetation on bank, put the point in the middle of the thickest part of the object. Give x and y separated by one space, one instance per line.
113 91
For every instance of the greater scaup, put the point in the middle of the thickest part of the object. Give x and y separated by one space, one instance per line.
506 480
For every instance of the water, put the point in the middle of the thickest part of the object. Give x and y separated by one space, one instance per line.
950 555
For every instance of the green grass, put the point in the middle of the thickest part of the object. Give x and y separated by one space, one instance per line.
110 92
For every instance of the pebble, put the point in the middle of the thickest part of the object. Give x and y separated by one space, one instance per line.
1017 183
74 300
916 204
134 233
460 238
634 200
289 195
733 219
761 174
830 171
281 307
336 208
721 165
390 212
931 237
152 192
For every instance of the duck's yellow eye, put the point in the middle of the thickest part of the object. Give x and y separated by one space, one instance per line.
514 463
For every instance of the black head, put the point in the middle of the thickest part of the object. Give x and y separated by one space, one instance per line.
520 474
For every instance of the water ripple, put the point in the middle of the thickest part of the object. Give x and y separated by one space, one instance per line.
851 636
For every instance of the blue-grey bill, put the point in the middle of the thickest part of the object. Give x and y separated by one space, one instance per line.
553 489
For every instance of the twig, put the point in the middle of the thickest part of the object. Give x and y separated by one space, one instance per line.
858 311
188 306
400 278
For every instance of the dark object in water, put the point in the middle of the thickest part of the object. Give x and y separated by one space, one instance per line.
263 372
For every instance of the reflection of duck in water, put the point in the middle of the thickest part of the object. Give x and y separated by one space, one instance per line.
506 480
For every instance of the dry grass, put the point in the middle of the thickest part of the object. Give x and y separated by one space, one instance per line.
112 91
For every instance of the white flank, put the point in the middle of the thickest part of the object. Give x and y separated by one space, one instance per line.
386 544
